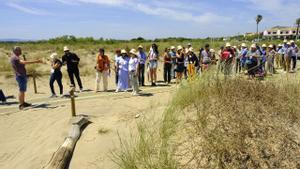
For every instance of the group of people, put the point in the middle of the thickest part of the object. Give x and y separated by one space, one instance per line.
178 62
258 60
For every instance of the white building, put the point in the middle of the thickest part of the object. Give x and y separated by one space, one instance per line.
280 32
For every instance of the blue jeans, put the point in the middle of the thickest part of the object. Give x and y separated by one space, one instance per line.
56 76
22 83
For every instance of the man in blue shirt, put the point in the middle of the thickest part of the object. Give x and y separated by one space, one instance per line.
142 60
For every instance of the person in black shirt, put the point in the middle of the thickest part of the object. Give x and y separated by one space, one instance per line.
56 74
72 61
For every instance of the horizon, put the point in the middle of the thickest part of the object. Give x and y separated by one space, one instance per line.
128 19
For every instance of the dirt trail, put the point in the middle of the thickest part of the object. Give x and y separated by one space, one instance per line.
29 138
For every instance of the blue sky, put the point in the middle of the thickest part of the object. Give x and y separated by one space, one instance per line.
126 19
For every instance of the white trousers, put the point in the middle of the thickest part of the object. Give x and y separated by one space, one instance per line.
101 75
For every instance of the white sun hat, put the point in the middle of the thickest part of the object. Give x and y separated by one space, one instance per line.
285 41
288 43
66 48
244 45
271 46
253 46
212 51
179 47
292 41
189 44
227 45
141 47
264 46
133 51
280 45
172 47
234 47
123 51
53 56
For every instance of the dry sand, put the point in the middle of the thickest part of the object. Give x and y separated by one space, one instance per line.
29 138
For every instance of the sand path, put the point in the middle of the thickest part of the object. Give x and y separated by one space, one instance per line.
29 138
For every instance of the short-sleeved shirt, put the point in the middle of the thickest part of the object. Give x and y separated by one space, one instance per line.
18 67
133 62
56 61
142 57
69 58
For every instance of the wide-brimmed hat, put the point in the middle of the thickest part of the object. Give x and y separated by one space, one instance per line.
264 46
285 41
289 43
179 47
234 47
227 45
212 51
292 41
270 46
133 51
244 45
66 48
253 46
172 47
123 51
280 45
189 44
141 47
53 56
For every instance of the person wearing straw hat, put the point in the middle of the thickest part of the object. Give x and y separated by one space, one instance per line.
56 75
72 61
179 63
123 65
142 56
227 59
102 70
252 61
18 66
242 55
167 66
173 58
270 59
134 71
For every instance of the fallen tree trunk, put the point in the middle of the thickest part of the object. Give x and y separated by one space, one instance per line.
62 157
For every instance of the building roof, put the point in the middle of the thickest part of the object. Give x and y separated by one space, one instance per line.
282 28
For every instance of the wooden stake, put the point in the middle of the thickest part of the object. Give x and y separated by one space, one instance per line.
34 83
73 111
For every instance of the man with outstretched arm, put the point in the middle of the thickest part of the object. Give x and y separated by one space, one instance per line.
18 65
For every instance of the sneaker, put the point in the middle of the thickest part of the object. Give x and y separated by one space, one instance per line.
27 104
53 96
117 91
21 107
81 90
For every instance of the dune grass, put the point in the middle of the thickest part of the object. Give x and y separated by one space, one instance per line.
218 123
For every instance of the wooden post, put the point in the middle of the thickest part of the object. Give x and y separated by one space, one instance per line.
34 83
73 111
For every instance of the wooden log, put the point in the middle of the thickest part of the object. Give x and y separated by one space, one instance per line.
61 158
